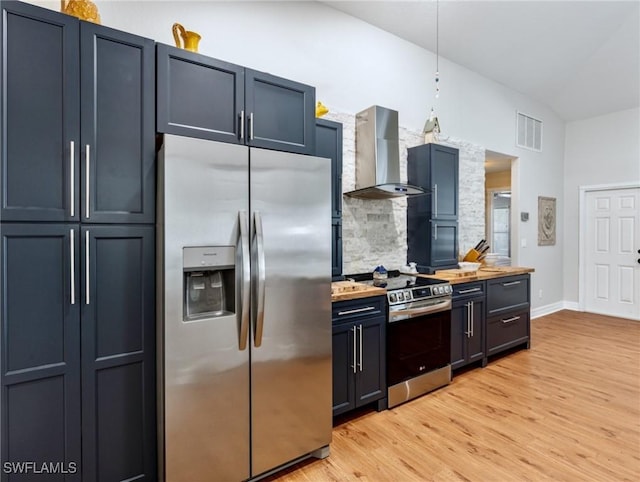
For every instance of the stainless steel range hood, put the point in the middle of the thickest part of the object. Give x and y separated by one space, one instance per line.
378 156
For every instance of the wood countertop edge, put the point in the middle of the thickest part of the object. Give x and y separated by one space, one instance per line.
482 275
355 295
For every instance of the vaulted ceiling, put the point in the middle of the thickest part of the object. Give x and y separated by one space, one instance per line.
581 58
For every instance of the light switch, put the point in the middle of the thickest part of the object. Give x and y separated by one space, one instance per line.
523 242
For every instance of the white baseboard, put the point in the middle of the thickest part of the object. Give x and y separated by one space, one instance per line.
547 309
571 305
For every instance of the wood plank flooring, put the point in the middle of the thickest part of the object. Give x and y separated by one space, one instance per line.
568 409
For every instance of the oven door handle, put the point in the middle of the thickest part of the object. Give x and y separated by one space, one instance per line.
403 314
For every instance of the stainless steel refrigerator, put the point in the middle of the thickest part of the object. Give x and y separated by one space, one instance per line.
244 253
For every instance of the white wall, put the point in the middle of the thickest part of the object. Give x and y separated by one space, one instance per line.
600 150
353 66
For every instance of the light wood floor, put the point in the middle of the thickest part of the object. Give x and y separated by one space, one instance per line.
568 409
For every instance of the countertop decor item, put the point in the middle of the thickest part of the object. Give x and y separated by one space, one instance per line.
83 9
469 266
185 39
321 109
431 129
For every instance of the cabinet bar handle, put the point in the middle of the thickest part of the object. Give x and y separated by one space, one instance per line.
360 330
87 180
468 329
242 124
251 126
354 349
511 283
72 175
358 310
435 231
86 268
435 201
471 317
72 252
470 290
509 320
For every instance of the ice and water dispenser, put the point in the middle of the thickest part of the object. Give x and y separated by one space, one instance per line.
209 281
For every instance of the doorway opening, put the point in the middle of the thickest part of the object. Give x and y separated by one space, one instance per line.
499 205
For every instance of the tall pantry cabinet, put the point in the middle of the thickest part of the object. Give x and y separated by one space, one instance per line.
77 341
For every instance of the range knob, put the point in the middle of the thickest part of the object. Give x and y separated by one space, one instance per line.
400 296
392 297
407 295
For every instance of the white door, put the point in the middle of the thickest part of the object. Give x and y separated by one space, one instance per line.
612 244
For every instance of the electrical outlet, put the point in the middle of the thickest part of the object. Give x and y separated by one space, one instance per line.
540 293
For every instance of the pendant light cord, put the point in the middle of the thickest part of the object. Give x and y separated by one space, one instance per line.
437 48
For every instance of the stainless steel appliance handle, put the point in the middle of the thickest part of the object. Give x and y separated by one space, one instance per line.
360 337
510 320
435 201
358 310
72 176
86 268
241 124
261 279
87 180
354 349
471 317
245 280
251 126
511 283
470 290
402 314
72 252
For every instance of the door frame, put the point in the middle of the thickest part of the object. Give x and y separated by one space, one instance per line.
582 269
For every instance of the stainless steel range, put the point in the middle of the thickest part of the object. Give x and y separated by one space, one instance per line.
418 336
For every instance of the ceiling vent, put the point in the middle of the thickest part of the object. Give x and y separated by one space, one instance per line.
529 132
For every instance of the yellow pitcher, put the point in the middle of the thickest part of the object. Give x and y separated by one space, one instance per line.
83 9
189 39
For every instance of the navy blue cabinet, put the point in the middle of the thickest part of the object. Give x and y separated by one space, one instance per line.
79 128
40 336
199 96
432 220
117 283
329 145
78 213
359 359
468 324
508 313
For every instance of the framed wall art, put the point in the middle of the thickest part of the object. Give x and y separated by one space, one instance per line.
546 221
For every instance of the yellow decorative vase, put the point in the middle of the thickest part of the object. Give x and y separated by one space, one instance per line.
83 9
184 38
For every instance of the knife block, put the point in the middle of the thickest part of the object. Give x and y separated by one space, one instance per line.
472 255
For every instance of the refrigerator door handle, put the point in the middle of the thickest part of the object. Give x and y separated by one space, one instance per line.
257 218
245 279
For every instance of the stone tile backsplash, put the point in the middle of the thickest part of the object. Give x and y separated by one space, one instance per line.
374 231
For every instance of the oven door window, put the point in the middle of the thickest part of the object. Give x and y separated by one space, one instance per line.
418 345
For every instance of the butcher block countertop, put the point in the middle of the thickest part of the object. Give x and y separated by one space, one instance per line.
352 290
455 276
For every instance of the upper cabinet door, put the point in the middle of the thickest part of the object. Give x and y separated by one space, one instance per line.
40 110
118 126
199 96
444 181
329 144
280 113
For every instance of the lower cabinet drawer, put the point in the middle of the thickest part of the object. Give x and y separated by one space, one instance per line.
507 331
